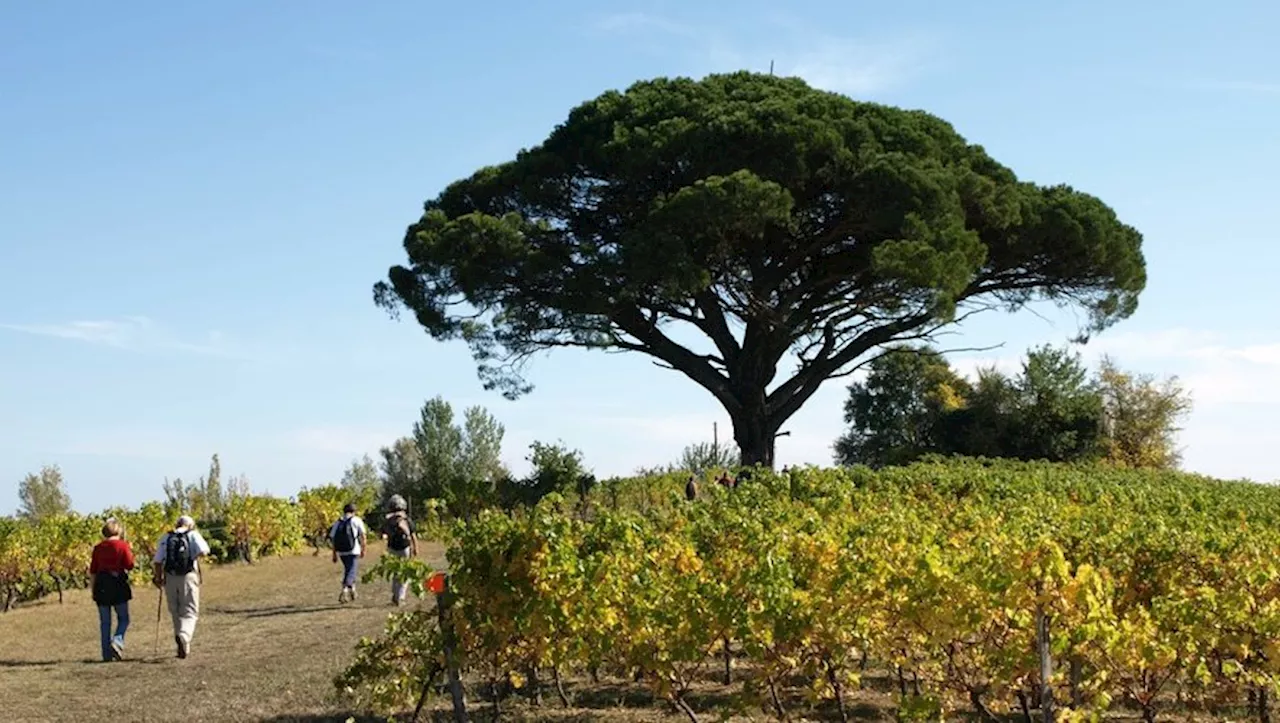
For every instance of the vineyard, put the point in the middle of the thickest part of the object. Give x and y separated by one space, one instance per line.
983 589
51 554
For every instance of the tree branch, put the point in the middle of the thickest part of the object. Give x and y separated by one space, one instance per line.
654 343
788 398
717 327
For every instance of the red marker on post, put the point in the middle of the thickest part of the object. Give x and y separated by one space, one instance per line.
438 584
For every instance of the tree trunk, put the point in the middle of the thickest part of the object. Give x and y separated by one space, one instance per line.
755 437
681 704
1264 706
1025 705
555 675
422 697
777 701
728 663
834 678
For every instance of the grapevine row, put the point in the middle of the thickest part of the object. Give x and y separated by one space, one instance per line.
50 555
1152 589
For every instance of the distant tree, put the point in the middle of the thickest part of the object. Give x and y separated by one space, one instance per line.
988 423
439 443
460 465
655 470
912 404
402 470
895 414
1051 410
1141 417
1060 415
702 457
177 497
43 494
764 216
479 465
214 496
362 483
206 497
556 468
238 488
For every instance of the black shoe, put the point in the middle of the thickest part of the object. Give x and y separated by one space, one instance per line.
182 646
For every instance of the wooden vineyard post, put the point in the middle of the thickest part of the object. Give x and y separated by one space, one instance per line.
1046 664
439 585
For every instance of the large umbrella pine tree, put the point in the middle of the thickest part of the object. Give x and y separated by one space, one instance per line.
768 216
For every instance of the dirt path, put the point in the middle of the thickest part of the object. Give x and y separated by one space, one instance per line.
270 639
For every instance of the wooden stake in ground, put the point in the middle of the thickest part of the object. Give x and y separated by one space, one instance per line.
439 585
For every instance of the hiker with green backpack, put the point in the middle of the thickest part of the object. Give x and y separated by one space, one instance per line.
398 531
348 536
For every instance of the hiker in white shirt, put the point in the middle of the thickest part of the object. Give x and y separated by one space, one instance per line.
176 570
348 536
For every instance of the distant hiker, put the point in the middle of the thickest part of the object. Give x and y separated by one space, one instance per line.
109 579
176 569
348 538
691 488
726 481
397 530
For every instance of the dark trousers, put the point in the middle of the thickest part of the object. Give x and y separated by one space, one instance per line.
349 563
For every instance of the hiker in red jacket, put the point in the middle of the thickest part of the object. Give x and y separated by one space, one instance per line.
109 579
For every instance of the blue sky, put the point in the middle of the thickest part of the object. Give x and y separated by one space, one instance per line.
197 197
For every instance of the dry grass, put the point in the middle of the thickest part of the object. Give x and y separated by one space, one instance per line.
271 636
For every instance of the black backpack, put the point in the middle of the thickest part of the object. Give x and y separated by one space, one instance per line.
178 559
399 537
344 538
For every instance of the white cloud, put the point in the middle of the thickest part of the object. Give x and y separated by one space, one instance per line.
133 333
118 332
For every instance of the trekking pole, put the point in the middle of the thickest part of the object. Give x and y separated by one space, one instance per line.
159 605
